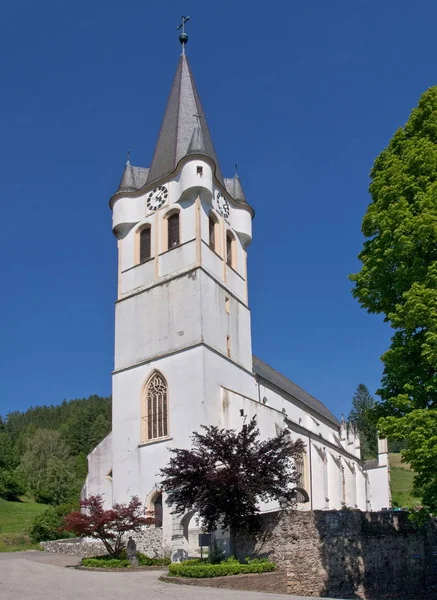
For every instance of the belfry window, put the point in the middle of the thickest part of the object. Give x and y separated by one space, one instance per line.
156 408
213 232
230 250
173 230
145 244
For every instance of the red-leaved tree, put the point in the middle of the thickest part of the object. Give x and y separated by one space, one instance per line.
107 525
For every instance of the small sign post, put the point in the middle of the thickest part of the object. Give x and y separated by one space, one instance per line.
204 540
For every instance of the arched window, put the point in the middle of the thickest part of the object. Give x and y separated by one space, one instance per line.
158 511
300 471
156 408
299 463
145 244
173 231
213 233
230 250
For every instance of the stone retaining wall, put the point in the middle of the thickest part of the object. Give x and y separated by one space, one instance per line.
149 541
349 554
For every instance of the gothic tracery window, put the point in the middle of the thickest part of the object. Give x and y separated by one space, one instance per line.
156 407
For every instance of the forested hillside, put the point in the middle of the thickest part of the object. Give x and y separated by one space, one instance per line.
43 450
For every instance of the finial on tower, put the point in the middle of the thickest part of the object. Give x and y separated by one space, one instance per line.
183 38
128 157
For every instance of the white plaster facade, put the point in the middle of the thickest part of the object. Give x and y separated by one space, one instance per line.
184 313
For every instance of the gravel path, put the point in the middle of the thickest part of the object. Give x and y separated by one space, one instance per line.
46 576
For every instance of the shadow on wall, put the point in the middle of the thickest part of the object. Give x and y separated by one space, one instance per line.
350 554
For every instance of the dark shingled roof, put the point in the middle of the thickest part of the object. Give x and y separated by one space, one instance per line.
264 371
178 125
235 189
133 178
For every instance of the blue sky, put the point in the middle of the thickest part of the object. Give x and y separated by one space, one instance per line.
303 96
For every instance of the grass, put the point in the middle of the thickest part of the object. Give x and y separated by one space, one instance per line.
15 518
401 483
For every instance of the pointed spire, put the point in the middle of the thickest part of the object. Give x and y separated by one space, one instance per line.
178 136
127 179
237 189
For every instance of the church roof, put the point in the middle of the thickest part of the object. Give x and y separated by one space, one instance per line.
269 375
235 189
183 117
133 178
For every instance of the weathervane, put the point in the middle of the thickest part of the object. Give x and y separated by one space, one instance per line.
183 38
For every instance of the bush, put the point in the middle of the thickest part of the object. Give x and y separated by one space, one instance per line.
11 485
48 525
106 562
231 566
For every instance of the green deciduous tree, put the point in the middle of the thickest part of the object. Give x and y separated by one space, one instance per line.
47 466
362 416
226 473
398 279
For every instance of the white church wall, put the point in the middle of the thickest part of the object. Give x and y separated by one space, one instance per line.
212 263
361 489
235 281
126 212
225 322
99 477
379 488
350 483
334 480
241 220
157 321
319 482
136 278
136 465
178 259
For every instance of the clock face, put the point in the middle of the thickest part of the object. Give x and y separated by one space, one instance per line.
221 204
157 198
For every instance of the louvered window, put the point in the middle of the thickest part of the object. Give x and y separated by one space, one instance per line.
212 233
157 409
173 231
229 250
145 244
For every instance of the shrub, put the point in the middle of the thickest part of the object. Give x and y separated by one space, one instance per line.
227 567
48 525
106 562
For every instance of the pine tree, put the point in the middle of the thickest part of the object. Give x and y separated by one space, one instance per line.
362 415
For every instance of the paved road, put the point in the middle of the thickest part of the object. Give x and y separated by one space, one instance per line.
46 576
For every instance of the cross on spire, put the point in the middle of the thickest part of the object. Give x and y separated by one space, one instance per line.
183 38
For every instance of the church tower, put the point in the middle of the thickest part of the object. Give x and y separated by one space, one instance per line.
182 322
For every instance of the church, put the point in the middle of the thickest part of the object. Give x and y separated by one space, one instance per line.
183 351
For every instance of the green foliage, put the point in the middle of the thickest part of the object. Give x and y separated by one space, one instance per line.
398 279
48 525
362 416
43 450
227 567
12 484
106 562
15 518
146 561
419 428
216 553
221 460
